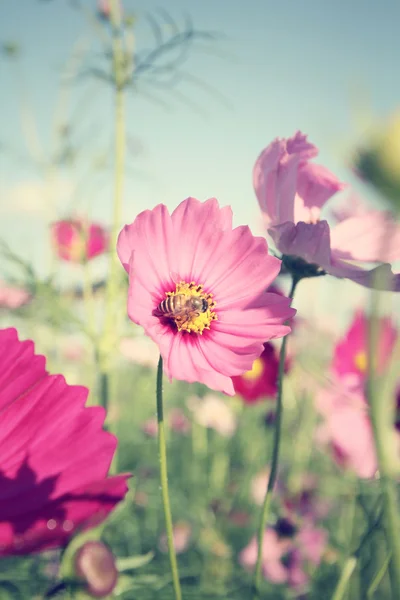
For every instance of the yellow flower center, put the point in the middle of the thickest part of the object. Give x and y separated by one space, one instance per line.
361 361
186 310
255 371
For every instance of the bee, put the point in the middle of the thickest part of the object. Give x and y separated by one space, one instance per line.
181 308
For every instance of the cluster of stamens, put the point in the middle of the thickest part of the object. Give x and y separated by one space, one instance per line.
193 320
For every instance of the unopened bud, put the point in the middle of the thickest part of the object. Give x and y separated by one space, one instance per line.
95 564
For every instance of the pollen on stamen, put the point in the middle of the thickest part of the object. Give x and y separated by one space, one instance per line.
192 320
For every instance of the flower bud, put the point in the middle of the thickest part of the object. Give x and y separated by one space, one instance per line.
95 564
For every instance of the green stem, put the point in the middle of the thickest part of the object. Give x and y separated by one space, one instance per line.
343 582
383 435
162 448
110 331
275 458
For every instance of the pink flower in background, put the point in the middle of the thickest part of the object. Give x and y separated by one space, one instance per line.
12 297
48 492
292 191
178 421
213 412
182 533
286 552
346 429
150 427
76 241
350 356
261 381
197 287
140 350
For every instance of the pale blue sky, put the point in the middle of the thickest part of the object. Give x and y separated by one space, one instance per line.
292 64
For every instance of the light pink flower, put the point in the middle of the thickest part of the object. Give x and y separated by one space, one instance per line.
213 412
286 553
182 533
350 356
77 241
178 421
291 192
48 492
150 427
347 429
194 253
140 350
12 297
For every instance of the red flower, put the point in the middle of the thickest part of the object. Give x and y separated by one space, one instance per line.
54 457
77 241
261 381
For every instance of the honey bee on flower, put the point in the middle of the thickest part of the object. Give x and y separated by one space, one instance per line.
203 301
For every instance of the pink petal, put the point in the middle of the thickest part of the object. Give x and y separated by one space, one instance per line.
298 144
20 367
315 185
198 227
310 241
274 180
381 277
371 237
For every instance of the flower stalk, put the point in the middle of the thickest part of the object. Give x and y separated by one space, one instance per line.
162 449
108 340
275 456
383 446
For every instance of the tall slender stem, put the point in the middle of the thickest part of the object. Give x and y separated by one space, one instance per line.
110 333
162 449
384 448
275 457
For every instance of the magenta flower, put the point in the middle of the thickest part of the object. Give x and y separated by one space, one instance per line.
48 492
292 191
350 356
261 381
76 241
197 287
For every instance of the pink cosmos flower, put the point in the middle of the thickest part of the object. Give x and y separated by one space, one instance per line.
48 492
350 356
346 429
197 287
292 191
286 553
76 241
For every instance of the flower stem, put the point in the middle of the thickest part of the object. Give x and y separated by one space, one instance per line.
275 457
345 576
110 331
164 481
383 436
